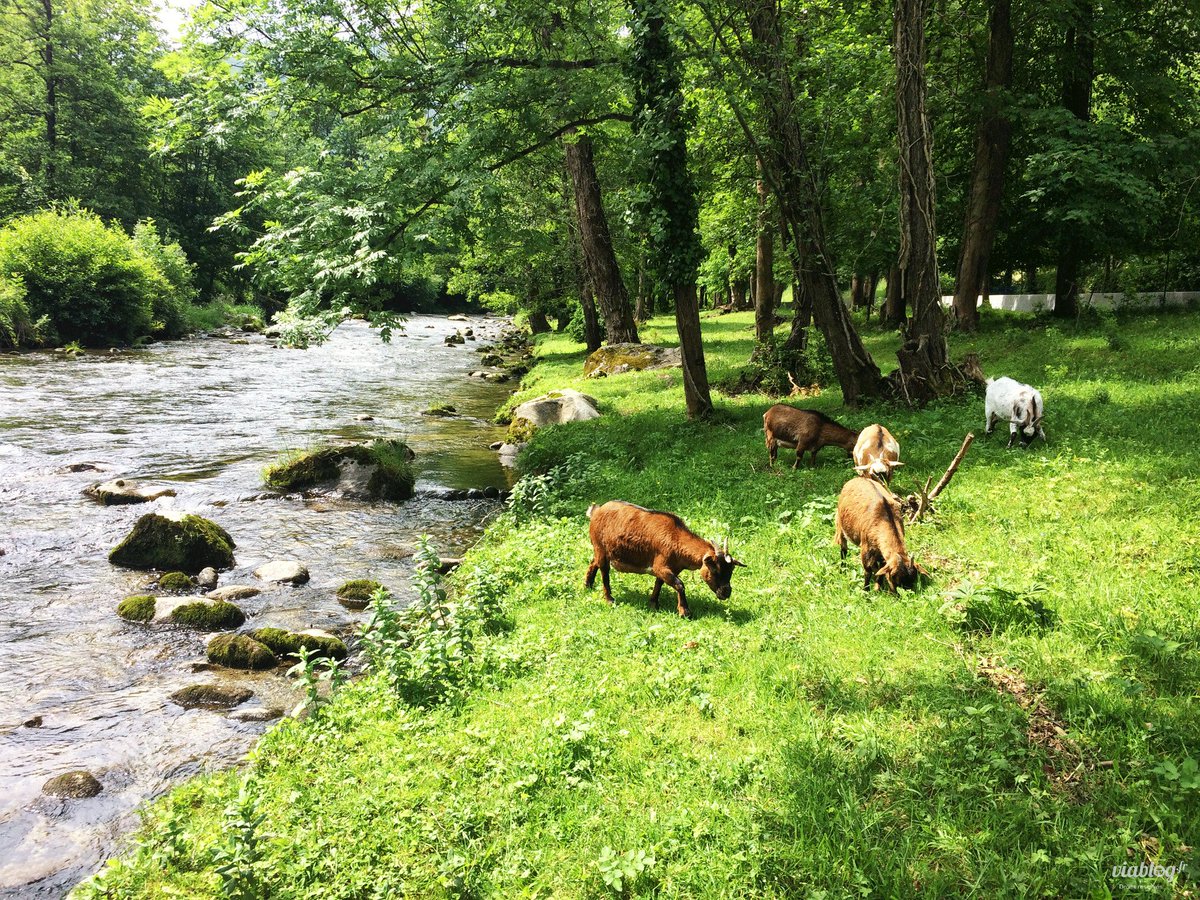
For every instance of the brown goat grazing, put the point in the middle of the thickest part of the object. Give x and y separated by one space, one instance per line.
869 515
876 453
805 429
630 538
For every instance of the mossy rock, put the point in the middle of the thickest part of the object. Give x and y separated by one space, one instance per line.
356 594
289 643
393 477
176 583
207 615
441 410
188 544
137 609
210 696
73 785
614 359
238 651
519 432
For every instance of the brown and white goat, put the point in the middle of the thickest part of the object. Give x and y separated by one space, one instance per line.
631 538
869 515
805 429
876 453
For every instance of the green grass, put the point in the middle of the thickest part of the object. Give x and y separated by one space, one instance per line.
804 738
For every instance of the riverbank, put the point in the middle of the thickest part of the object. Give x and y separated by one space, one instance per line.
1020 726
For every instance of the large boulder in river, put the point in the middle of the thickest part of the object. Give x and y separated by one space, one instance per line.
122 491
185 543
211 696
614 359
289 643
380 470
557 408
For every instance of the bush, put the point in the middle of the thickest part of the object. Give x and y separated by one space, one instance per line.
89 280
170 309
17 328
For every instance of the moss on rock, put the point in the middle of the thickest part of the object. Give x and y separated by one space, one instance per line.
238 651
393 478
211 696
206 615
188 544
175 583
519 432
356 594
137 609
289 643
441 410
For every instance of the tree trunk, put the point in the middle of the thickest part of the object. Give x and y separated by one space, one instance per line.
50 114
869 292
918 229
737 293
893 303
764 270
786 168
591 325
992 139
538 323
599 259
1078 69
644 305
691 350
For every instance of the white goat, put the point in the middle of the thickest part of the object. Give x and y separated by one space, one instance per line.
1020 404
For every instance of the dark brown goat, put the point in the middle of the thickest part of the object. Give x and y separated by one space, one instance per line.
805 429
631 538
869 515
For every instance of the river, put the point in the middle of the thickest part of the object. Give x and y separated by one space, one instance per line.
202 416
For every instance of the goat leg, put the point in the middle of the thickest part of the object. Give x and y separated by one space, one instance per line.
658 583
604 580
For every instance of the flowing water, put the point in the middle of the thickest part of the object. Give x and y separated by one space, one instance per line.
82 689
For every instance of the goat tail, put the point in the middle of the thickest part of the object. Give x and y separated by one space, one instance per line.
591 509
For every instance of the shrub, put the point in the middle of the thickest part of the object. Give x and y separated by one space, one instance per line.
17 327
89 280
170 309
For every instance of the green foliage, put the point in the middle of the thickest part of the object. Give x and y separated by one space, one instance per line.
176 583
314 669
239 861
209 616
88 279
992 609
620 870
170 308
137 609
17 327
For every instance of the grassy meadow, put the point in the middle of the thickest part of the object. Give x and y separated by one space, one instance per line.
1017 727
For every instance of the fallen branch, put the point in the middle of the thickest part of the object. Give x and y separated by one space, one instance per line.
917 504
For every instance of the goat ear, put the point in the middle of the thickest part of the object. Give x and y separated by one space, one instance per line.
738 562
861 469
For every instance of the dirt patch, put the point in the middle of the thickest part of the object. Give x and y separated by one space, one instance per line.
1068 764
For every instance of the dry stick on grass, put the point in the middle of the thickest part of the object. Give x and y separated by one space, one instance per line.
918 504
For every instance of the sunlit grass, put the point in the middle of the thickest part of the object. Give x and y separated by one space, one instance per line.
803 738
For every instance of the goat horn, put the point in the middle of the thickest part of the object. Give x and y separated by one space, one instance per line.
894 462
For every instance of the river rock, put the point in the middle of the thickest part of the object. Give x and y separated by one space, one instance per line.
238 651
73 785
364 418
614 359
490 359
177 582
496 377
557 408
356 594
441 410
458 317
140 608
256 714
455 338
202 614
379 470
211 696
495 445
233 592
174 541
207 579
508 454
122 491
289 643
283 572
